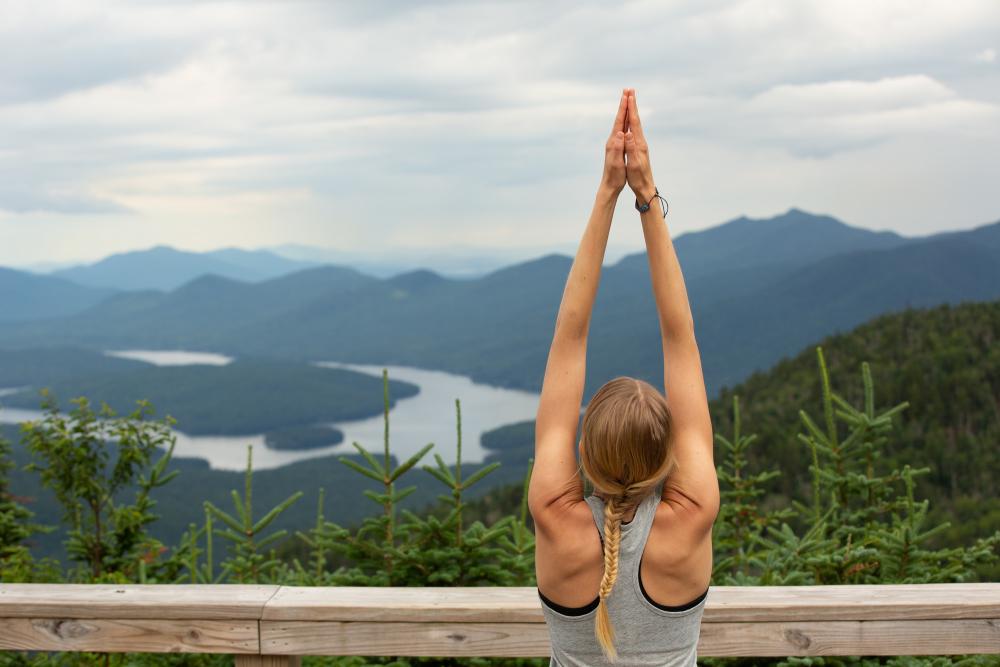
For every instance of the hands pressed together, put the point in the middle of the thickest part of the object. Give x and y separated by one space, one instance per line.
626 153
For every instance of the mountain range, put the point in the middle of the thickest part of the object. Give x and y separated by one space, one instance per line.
760 290
165 268
28 295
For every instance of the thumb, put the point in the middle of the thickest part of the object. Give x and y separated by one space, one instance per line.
629 142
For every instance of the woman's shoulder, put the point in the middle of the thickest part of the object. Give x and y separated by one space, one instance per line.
678 531
568 523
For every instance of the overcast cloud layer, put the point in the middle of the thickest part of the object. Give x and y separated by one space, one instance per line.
370 125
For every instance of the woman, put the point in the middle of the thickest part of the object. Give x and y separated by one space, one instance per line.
632 591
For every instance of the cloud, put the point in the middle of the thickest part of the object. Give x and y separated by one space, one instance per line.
27 201
986 56
235 115
820 119
52 48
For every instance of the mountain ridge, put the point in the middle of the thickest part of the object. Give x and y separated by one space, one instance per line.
497 328
164 267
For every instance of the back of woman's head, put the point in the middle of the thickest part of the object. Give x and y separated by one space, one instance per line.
625 452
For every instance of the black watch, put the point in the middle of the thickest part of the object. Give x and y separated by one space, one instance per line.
642 208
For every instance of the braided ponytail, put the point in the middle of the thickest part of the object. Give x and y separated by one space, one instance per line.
614 510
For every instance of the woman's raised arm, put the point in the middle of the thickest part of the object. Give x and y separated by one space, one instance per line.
694 483
554 477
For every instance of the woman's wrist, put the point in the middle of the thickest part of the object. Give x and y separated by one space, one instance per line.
644 193
608 192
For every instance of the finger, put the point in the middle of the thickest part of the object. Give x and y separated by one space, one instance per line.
619 125
628 119
618 149
635 124
632 149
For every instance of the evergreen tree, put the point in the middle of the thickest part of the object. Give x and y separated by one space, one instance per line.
73 453
16 527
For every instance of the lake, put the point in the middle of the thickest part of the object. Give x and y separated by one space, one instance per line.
426 417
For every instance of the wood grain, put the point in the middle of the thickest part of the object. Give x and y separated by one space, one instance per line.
122 636
723 604
412 639
944 637
716 640
166 601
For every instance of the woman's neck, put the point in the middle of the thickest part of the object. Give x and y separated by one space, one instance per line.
628 515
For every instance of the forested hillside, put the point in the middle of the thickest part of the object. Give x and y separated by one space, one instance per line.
944 361
243 397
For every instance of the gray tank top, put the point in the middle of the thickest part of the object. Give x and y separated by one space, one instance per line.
646 633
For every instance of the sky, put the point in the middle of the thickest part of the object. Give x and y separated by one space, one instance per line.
395 126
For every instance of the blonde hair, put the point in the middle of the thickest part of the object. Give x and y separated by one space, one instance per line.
625 451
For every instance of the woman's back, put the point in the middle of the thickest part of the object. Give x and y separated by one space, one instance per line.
646 632
632 435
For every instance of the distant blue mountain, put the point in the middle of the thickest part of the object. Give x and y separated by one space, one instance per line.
165 268
750 331
27 296
791 239
259 262
220 307
453 261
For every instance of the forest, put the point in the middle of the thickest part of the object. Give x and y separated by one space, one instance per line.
831 471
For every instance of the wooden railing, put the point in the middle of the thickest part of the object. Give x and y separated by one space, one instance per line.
274 625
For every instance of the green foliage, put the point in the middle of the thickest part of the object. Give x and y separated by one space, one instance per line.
413 550
107 537
741 521
248 564
942 361
864 525
16 563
